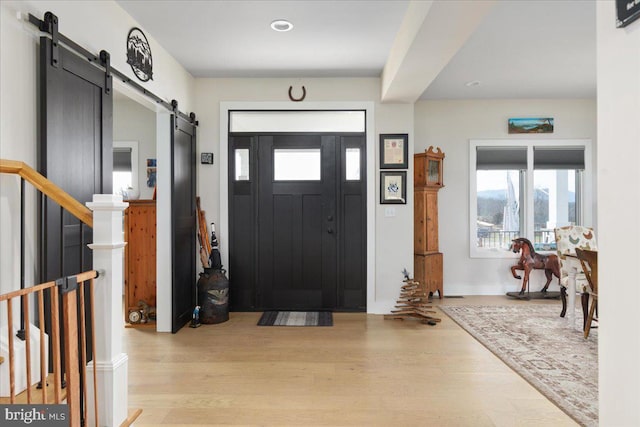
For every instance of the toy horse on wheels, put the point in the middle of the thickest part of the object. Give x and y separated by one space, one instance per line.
530 259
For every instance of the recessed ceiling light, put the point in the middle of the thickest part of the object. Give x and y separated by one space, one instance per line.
472 83
281 25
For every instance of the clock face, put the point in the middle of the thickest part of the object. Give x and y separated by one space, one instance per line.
434 171
134 316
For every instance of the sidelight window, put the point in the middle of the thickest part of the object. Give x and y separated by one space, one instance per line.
352 164
242 164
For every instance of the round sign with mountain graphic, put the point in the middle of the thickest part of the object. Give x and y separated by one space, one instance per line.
139 55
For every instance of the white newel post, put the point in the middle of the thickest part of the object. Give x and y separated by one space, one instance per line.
110 362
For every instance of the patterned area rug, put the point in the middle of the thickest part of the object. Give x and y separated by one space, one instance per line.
296 318
536 343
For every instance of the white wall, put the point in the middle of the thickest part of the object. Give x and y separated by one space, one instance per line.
618 220
164 269
133 122
390 232
18 127
394 235
450 125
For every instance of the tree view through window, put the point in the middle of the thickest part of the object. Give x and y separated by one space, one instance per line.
498 196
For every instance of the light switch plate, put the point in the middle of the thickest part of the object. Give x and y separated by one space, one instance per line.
389 212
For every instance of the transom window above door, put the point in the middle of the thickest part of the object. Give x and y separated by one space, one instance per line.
297 121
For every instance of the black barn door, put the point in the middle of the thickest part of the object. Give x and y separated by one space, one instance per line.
76 120
75 153
183 227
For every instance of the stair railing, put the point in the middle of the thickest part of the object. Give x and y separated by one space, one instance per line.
48 188
69 292
70 383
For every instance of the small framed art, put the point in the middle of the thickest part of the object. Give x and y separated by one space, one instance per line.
393 188
531 125
152 167
394 151
627 12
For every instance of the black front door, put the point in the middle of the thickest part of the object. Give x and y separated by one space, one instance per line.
297 217
297 222
183 228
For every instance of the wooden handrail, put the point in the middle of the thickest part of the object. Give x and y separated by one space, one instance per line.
133 416
48 188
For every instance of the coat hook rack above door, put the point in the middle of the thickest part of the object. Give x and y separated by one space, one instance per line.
304 94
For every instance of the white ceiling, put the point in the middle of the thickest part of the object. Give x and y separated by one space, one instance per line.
234 38
521 49
526 49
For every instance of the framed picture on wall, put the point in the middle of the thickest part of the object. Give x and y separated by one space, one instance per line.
152 165
393 188
394 151
627 11
531 125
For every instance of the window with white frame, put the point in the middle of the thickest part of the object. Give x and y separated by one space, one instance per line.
524 188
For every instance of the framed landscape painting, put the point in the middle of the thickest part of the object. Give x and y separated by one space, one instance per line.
531 125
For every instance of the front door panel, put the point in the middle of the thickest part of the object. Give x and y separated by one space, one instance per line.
296 205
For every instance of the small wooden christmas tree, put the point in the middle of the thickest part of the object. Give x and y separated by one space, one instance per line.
413 303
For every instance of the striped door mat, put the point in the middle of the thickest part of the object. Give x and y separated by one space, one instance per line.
296 318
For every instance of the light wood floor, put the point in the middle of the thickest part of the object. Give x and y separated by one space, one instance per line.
363 371
37 395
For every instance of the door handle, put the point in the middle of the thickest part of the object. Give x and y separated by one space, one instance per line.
330 230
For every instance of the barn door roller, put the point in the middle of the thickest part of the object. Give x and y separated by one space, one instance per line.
50 25
105 61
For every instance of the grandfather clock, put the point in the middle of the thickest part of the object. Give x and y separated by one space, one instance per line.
427 180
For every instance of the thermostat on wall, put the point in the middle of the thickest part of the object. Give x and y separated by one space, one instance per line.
206 158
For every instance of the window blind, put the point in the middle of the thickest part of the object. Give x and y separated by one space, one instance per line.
558 158
503 158
121 159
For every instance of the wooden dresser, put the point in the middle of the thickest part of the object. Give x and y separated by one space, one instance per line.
427 180
140 257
